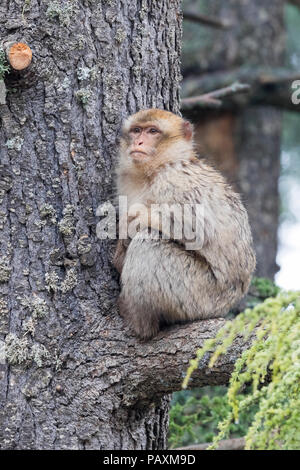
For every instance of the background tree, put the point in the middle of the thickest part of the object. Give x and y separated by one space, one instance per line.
243 41
196 413
69 367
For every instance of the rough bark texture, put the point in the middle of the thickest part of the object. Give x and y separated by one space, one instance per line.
251 135
72 378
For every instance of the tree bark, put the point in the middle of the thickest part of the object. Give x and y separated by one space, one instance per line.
244 143
71 376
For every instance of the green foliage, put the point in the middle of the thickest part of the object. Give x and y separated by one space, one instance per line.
270 365
4 67
194 416
263 287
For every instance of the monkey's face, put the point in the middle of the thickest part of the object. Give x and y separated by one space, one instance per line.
152 136
144 140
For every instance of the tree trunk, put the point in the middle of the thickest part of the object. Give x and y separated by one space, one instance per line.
245 144
71 376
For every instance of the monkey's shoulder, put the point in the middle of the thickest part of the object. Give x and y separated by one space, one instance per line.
193 178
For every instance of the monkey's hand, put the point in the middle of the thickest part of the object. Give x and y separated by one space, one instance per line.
142 220
119 257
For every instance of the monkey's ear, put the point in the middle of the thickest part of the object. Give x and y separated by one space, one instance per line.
187 130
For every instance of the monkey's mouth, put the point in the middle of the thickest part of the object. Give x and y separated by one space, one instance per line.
140 152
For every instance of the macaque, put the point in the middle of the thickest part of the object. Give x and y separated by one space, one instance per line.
169 275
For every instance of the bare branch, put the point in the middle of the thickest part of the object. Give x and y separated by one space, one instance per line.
160 364
237 443
211 99
266 87
206 20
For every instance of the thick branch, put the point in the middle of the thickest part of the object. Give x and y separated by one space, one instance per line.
206 20
268 87
159 366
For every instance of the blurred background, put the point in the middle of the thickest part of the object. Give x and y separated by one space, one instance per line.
254 139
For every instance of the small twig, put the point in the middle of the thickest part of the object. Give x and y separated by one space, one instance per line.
227 444
269 86
211 99
206 20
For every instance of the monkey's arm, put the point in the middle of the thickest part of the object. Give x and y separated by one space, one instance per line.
181 220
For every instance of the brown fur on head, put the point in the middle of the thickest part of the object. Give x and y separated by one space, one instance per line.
144 151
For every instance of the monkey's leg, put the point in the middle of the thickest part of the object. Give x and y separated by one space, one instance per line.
162 283
143 321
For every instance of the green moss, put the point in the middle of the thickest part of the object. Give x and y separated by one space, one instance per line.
48 211
29 326
39 354
263 287
67 224
16 349
70 280
61 10
36 306
83 73
3 219
274 326
84 246
3 307
120 35
15 143
52 279
5 269
83 95
40 223
4 67
26 7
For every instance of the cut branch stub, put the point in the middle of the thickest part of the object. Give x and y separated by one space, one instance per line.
19 55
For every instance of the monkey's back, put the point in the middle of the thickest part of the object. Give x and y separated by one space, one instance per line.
161 276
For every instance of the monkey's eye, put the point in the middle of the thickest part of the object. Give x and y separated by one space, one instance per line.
153 130
136 130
